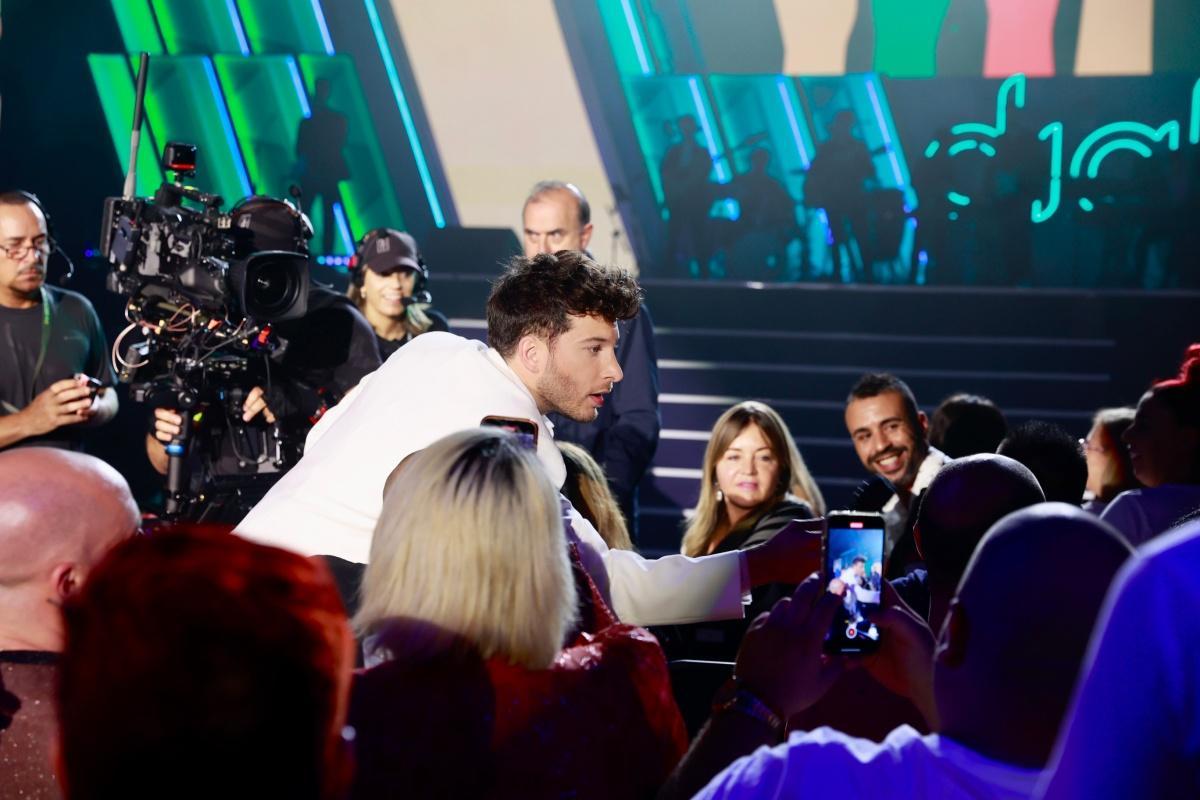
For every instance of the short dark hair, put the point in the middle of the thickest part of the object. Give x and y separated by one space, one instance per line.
201 656
965 424
874 384
539 295
966 497
16 197
1052 455
858 560
543 188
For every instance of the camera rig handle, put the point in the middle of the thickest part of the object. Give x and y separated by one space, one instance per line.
178 497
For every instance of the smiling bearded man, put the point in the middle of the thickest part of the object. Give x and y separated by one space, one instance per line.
890 436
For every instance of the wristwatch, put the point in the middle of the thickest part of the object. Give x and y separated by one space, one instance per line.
732 696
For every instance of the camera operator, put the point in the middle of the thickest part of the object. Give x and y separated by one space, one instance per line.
388 280
50 341
233 460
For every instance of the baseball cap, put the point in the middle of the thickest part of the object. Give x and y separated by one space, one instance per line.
390 250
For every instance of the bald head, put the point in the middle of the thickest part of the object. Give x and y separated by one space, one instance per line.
967 496
1012 646
60 512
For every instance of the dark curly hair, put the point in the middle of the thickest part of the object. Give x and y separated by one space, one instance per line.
539 295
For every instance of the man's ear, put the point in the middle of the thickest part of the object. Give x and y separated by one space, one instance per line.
952 644
585 236
923 419
533 354
67 580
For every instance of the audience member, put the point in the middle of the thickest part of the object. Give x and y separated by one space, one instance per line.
466 604
890 436
551 323
588 491
996 685
754 483
388 281
966 424
963 501
200 665
624 436
47 549
1110 470
1164 447
1132 727
1052 455
53 342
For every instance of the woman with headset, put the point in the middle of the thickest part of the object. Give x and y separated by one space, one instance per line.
388 284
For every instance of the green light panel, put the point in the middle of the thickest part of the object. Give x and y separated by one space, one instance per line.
285 26
139 31
369 200
115 86
266 103
625 36
184 103
199 26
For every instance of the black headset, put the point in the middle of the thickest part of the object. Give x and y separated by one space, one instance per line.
302 229
358 266
51 239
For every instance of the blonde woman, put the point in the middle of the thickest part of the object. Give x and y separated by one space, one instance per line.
754 482
587 489
388 284
466 604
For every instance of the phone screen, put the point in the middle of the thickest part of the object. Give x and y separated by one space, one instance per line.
854 570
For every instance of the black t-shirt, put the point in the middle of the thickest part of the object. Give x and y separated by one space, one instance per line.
76 344
389 346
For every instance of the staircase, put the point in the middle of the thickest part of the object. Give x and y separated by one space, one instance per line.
1055 355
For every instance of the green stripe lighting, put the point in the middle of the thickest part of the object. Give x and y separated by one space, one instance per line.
410 129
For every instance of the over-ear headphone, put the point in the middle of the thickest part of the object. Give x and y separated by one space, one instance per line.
258 206
357 266
51 239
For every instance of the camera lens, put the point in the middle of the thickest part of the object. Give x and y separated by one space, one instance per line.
275 286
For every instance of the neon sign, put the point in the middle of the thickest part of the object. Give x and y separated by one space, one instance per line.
1113 137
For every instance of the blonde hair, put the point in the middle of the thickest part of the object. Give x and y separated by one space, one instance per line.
710 523
587 489
415 321
470 540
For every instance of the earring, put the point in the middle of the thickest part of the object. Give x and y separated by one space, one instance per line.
720 496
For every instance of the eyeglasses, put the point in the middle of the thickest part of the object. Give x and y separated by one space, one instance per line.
1088 447
21 251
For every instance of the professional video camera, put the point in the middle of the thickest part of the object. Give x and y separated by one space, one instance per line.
204 301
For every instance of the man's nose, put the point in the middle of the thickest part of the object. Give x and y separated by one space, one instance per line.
614 368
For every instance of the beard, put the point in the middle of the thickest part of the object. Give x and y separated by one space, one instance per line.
564 396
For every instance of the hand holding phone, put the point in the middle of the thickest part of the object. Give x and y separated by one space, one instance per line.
904 660
853 570
94 385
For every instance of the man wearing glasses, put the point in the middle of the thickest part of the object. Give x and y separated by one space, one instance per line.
54 362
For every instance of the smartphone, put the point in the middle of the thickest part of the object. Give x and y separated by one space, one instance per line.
526 430
94 385
853 569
